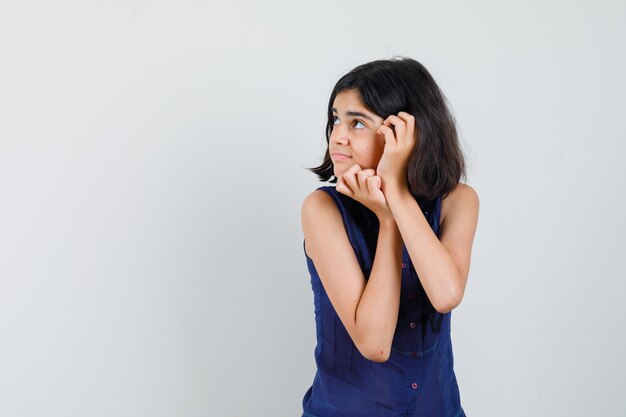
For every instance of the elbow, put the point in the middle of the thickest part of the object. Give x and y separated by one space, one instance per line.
379 356
376 353
449 303
444 308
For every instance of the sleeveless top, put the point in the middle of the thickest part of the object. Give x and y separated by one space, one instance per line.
418 379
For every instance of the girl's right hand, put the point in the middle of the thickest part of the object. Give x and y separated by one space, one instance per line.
365 187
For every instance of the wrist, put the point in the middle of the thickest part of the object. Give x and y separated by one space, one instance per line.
389 227
387 221
395 189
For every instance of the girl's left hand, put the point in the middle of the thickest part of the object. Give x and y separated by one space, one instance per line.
393 165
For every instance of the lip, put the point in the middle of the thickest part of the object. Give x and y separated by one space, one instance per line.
339 156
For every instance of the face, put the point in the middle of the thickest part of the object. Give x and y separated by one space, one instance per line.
354 134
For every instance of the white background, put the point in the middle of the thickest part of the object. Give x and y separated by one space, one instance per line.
152 169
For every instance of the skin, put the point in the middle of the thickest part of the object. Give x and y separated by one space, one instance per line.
374 174
358 138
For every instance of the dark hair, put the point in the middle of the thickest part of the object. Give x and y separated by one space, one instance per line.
402 84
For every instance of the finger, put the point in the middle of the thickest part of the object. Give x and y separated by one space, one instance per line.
342 187
373 184
409 121
407 117
351 179
399 125
353 169
388 134
362 177
378 180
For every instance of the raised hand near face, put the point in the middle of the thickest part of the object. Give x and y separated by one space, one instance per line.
364 186
399 146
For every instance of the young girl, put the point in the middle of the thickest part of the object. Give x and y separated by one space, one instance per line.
388 248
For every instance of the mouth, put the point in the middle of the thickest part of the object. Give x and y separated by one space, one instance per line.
339 156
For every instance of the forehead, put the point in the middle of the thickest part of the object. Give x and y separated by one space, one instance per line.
349 98
349 102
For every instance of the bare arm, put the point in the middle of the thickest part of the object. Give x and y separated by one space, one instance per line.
377 312
367 309
441 264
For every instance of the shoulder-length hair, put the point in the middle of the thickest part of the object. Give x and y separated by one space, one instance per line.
403 84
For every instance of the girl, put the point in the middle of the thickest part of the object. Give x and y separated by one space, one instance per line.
388 248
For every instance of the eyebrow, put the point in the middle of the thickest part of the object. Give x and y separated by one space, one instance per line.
355 113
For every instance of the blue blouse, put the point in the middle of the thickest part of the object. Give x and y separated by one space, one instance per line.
418 379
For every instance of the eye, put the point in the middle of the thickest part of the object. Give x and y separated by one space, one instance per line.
335 118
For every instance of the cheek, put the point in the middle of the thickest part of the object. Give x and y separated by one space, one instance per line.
376 145
380 141
372 154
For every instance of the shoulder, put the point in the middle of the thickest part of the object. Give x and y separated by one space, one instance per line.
463 198
320 217
317 200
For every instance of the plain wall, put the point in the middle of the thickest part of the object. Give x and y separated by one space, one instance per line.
152 170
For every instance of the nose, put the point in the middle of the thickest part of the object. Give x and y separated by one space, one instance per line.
339 136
